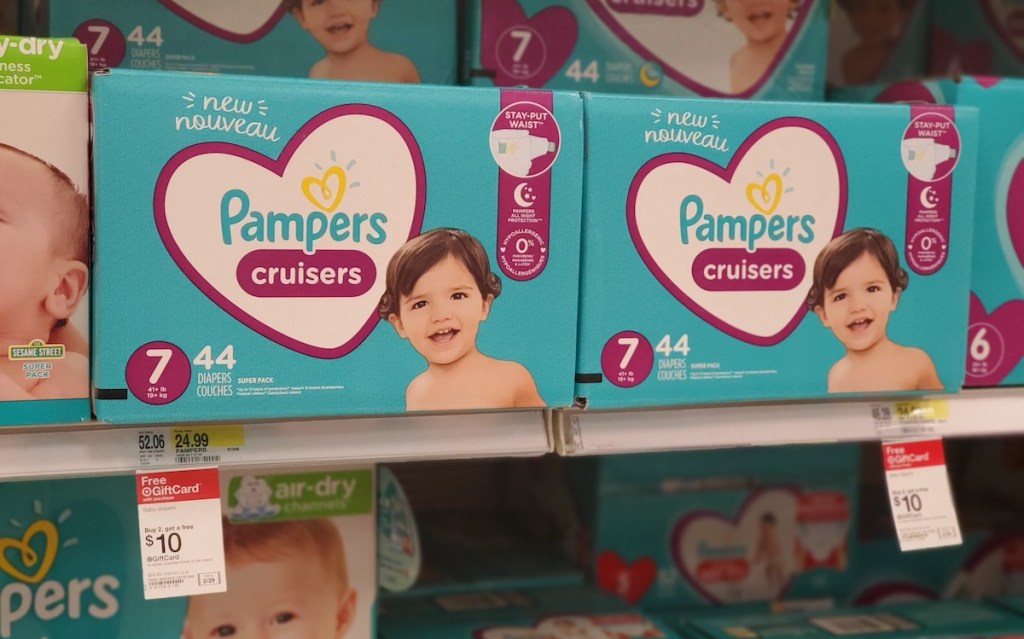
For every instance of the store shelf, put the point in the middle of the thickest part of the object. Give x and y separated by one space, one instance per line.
99 449
981 412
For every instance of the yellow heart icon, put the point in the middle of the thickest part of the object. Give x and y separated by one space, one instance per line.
325 192
29 556
765 196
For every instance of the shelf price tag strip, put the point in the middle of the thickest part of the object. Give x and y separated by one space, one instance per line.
190 445
180 532
915 472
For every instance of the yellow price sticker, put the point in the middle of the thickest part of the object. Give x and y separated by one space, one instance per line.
208 437
922 410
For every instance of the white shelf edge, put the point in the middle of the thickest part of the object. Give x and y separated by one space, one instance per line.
974 412
102 449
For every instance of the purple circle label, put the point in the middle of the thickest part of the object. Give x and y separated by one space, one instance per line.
985 349
158 373
521 52
104 42
931 147
627 359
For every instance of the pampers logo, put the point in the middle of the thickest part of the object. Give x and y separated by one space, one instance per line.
306 234
27 558
736 244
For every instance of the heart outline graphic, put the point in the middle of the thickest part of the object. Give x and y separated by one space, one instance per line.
754 187
680 527
609 20
277 167
994 545
640 575
328 204
726 174
29 556
175 7
498 17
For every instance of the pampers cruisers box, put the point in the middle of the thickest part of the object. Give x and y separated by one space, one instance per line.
44 231
299 559
381 40
285 248
772 49
995 348
777 251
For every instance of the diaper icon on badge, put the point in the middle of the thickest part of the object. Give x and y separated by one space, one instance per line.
524 139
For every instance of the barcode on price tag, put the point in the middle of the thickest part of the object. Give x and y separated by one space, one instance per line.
919 494
190 445
180 532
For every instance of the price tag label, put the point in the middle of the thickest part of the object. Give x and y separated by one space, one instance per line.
180 532
919 494
913 418
190 445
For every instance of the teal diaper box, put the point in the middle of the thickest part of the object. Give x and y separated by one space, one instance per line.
45 234
945 620
284 247
669 539
995 348
771 49
539 613
73 560
977 37
736 253
877 41
378 40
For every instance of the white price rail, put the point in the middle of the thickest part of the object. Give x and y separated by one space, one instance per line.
99 449
969 413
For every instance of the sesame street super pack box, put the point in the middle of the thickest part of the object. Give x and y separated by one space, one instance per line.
783 251
44 231
773 49
299 552
389 40
288 247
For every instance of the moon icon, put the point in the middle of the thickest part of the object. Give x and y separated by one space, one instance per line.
929 199
650 75
523 195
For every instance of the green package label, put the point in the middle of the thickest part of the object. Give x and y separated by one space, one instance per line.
300 495
42 64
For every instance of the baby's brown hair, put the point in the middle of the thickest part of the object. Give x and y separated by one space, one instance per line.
843 250
423 252
71 236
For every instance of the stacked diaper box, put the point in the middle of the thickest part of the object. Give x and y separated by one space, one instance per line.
770 50
699 528
45 279
539 613
873 41
779 252
994 346
977 37
911 621
290 248
300 557
390 41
